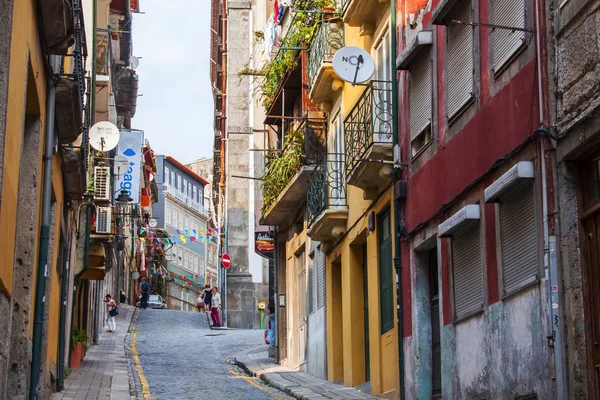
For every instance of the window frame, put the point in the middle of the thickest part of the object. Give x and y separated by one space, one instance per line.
426 54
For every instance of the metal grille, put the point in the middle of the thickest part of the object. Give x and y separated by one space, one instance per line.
468 270
328 40
312 287
459 60
519 238
321 279
101 183
420 95
315 134
510 13
326 187
369 121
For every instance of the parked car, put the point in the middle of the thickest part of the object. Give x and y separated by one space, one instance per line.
155 301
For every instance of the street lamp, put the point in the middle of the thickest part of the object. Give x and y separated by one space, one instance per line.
127 211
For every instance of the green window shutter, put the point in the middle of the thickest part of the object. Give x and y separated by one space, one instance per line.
386 282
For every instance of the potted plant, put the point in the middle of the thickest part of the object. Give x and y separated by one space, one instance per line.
80 340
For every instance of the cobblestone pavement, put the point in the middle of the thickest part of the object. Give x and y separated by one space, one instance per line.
181 358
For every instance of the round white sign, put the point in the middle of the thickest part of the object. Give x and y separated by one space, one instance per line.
152 223
353 64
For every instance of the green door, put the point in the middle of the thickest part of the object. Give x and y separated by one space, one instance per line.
386 276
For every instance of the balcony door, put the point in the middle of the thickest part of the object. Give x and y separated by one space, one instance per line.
382 96
336 164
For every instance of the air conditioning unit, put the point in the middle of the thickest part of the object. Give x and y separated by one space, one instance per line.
103 219
102 183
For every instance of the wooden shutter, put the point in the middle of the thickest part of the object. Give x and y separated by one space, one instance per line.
386 281
468 270
509 13
459 60
420 95
519 238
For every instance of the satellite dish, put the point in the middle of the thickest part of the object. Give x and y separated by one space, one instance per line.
104 136
121 163
353 64
134 62
152 223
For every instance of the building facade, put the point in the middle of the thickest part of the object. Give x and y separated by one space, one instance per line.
180 211
245 283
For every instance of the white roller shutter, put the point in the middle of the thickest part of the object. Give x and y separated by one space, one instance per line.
459 60
321 279
468 270
420 95
509 13
520 263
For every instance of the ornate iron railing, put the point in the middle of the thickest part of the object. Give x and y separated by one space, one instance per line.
315 139
326 187
328 40
369 122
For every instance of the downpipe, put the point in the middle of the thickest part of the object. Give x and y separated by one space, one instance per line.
44 241
64 287
397 219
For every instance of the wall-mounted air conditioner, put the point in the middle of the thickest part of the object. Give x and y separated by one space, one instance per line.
103 219
102 183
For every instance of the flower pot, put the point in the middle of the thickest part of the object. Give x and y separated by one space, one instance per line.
114 35
329 12
83 351
76 355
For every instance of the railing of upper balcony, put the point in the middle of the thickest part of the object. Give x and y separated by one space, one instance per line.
369 122
328 40
105 63
326 186
78 57
183 198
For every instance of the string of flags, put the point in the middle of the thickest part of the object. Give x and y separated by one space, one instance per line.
183 236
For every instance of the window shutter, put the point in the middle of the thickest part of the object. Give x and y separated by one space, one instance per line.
468 270
420 95
313 285
510 13
519 238
459 60
321 279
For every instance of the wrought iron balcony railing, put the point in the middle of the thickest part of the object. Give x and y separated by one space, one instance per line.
326 187
369 122
328 40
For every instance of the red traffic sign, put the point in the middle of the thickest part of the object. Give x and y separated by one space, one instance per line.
226 261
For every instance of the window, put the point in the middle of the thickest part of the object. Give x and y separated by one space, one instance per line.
381 108
172 178
386 275
507 42
179 186
179 220
186 260
168 215
166 175
421 98
518 231
194 194
186 224
467 270
200 196
185 186
174 218
459 60
179 255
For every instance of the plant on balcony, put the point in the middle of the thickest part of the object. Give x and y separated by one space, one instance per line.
301 31
281 167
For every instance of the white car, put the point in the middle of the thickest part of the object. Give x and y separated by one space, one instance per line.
155 301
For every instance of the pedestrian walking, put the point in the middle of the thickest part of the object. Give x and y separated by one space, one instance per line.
200 302
111 311
207 296
215 307
145 289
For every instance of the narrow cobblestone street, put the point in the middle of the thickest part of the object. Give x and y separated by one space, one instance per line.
182 358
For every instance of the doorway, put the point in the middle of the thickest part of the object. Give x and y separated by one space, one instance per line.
366 312
434 301
589 208
302 314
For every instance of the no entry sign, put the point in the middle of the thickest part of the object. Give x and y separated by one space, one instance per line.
226 261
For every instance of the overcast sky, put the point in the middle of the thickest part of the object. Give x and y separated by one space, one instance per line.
172 38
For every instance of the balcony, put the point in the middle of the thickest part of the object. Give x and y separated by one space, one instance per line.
184 199
326 209
364 13
105 76
368 132
322 80
288 171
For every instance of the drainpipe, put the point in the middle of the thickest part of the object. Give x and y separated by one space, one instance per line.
94 49
397 218
63 318
42 265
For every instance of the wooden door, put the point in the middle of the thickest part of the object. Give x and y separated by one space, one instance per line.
591 232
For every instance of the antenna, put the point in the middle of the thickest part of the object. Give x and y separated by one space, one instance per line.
104 136
121 163
353 64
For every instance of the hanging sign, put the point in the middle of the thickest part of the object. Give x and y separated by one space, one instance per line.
130 146
264 244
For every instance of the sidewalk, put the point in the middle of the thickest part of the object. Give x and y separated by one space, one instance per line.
103 373
299 385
